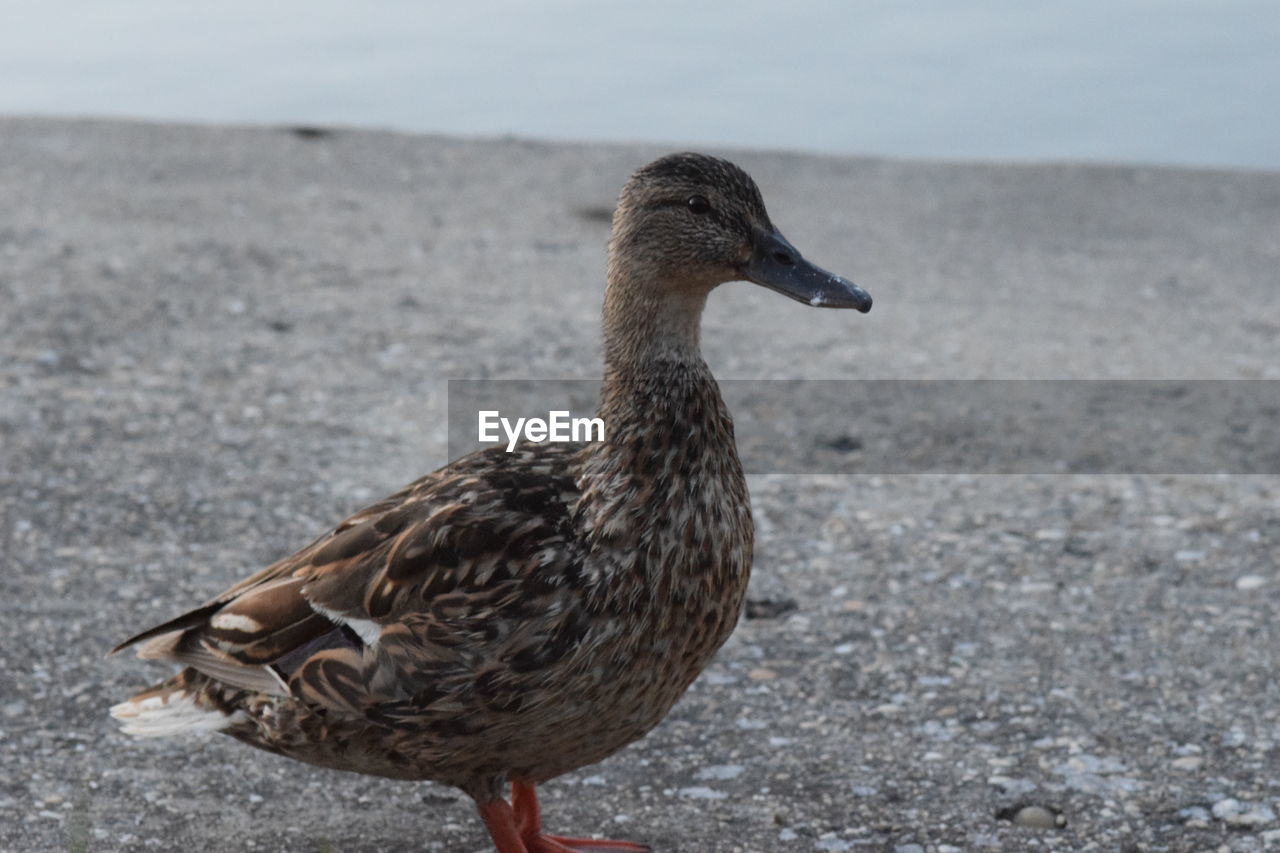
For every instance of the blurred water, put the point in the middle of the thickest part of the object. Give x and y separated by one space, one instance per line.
1177 81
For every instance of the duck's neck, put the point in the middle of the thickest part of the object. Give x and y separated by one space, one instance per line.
653 368
648 324
669 443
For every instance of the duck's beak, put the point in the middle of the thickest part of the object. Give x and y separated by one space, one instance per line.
777 265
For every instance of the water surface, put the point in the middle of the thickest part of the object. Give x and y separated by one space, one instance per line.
1183 82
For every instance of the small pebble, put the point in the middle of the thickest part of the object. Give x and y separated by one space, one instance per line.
1195 816
762 674
720 772
700 792
1248 582
1234 738
1038 817
1233 812
715 677
1012 787
1188 762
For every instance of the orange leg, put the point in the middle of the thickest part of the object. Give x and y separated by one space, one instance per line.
500 821
517 828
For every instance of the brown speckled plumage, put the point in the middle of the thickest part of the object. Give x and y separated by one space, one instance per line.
514 616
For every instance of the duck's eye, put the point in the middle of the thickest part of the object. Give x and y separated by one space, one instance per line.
699 205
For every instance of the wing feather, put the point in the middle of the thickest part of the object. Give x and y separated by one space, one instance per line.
443 551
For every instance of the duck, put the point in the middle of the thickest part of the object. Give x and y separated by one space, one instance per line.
517 615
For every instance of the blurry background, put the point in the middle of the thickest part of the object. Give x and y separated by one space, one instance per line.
1193 82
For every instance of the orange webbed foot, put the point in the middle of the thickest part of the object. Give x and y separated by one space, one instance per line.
517 828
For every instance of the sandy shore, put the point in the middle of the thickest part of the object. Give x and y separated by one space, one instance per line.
216 341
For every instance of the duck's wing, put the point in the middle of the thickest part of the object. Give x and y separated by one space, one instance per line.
246 590
453 544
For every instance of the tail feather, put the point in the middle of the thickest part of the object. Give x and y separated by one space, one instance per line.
179 647
186 620
171 709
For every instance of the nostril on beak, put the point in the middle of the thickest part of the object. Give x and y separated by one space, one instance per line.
784 258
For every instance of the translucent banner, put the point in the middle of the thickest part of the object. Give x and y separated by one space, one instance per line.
930 426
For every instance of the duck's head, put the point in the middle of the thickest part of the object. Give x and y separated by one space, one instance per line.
688 222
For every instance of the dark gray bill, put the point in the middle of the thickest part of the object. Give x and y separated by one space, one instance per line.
777 265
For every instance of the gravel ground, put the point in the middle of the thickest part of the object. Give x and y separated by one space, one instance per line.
215 341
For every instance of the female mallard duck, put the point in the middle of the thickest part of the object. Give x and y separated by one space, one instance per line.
514 616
